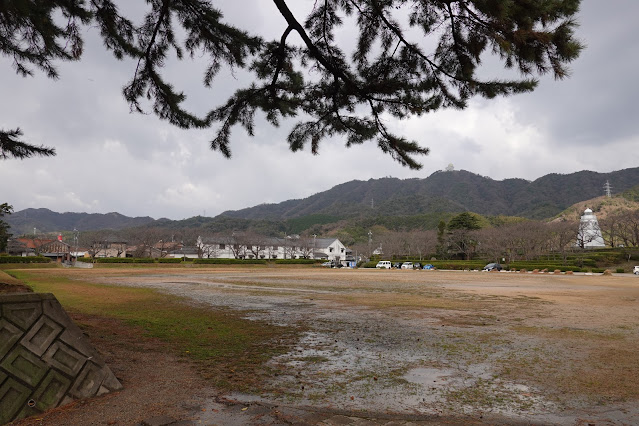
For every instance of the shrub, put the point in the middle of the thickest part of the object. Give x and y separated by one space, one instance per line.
557 271
588 262
295 261
170 260
620 270
370 264
230 261
458 264
124 260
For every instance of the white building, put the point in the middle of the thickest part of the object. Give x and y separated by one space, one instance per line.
330 249
589 234
257 247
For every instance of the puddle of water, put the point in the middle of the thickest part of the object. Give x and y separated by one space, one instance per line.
429 376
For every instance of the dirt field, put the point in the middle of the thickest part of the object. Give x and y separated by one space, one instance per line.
487 347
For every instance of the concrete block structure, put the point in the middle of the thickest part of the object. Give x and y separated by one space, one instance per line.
45 359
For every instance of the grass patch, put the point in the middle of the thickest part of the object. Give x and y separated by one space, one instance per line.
229 350
395 300
596 365
314 359
11 266
486 394
568 333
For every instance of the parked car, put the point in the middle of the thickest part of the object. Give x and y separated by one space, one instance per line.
492 267
337 265
429 266
407 265
417 265
327 264
383 264
397 265
635 270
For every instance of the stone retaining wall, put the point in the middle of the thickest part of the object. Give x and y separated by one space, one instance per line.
45 359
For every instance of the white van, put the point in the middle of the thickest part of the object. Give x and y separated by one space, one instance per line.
383 264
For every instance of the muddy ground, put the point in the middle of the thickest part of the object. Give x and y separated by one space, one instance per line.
527 347
471 346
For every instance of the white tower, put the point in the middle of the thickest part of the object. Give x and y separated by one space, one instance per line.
589 234
608 189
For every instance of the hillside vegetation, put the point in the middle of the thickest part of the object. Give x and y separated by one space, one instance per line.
601 206
351 209
448 192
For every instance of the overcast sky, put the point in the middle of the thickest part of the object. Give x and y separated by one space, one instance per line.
111 160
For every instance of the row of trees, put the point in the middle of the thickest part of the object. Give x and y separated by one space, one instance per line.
621 229
159 242
463 237
521 241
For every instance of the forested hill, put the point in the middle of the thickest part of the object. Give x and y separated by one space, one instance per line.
45 220
428 200
449 191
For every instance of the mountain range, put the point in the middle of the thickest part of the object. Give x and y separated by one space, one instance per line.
45 221
442 193
449 191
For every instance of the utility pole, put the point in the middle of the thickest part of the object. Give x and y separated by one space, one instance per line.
314 236
370 242
75 243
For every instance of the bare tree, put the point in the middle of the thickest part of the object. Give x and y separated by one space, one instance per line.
562 237
629 228
290 246
611 229
149 242
412 244
188 236
493 243
236 242
306 246
209 247
255 244
463 241
584 234
391 244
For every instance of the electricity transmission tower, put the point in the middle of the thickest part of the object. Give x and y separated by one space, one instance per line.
608 189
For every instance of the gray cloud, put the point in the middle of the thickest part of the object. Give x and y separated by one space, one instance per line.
112 160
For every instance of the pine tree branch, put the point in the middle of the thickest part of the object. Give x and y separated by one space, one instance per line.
11 147
312 48
281 57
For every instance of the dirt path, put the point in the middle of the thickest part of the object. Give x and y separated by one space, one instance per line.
413 346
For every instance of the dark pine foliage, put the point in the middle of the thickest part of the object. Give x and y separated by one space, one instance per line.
391 72
5 209
11 147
